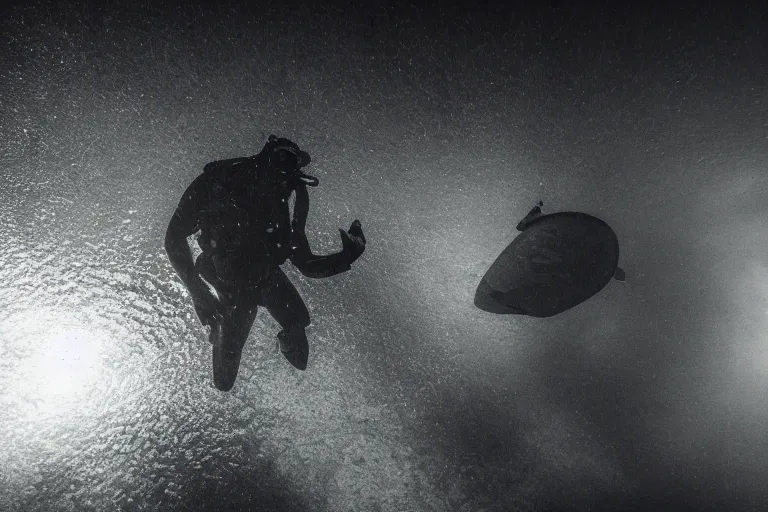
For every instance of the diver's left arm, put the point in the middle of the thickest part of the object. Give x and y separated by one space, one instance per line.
316 266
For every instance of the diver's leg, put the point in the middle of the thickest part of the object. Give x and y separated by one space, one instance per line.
535 212
284 303
230 335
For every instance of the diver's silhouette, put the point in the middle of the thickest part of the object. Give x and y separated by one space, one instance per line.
240 206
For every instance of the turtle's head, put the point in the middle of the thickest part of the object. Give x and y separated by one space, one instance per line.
492 301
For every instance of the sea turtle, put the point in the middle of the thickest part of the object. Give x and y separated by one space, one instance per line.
559 260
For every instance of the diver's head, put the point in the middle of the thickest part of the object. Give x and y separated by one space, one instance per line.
285 156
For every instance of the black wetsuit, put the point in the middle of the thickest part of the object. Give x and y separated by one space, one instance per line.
246 233
241 209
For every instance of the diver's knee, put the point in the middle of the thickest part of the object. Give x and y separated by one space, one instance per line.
302 322
224 384
296 330
299 319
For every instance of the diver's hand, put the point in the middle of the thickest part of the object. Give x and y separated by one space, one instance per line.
208 308
353 241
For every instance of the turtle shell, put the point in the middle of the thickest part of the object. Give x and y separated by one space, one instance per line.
558 261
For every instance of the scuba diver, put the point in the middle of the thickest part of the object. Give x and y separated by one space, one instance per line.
241 209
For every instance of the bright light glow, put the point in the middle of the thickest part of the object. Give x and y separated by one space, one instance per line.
62 361
69 364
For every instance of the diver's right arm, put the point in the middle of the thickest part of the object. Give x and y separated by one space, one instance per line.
178 250
182 225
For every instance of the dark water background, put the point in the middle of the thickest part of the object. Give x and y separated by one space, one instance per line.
439 128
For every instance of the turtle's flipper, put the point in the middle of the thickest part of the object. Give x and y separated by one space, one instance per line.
533 214
619 274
